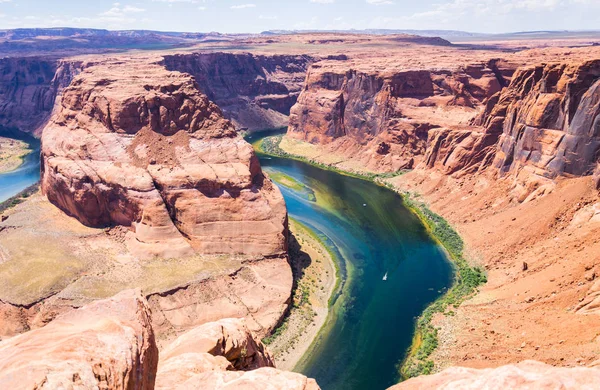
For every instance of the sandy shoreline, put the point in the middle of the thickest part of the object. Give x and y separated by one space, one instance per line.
12 152
315 273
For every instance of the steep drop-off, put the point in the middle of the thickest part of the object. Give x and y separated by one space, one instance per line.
511 169
154 190
110 344
255 91
29 88
382 119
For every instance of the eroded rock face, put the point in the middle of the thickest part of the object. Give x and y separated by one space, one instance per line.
107 345
147 150
549 120
525 375
229 338
215 356
29 88
383 119
255 91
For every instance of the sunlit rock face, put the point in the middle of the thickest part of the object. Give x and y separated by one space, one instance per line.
133 144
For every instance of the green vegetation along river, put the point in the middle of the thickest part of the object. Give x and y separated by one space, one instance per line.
375 236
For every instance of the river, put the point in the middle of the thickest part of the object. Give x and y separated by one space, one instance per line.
25 175
371 322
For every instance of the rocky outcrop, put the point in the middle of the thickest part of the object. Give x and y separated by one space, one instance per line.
29 88
110 344
549 120
147 150
255 91
383 119
105 345
215 356
229 338
525 375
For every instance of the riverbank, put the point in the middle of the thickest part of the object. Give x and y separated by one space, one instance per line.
315 280
12 154
467 278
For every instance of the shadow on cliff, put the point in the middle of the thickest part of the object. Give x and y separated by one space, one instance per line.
299 260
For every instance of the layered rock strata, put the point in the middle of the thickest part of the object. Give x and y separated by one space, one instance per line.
110 344
29 88
383 119
147 150
105 345
255 91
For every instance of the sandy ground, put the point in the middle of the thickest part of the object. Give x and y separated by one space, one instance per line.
316 275
11 154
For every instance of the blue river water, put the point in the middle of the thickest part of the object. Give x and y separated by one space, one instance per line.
27 174
371 322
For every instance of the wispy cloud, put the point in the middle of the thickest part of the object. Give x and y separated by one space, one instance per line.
175 1
379 2
242 6
322 1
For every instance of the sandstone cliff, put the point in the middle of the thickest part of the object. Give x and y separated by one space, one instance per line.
29 87
223 355
105 345
162 195
255 91
147 150
383 118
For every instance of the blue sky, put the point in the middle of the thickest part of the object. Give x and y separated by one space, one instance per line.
258 15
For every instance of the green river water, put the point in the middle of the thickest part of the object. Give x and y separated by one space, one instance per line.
371 322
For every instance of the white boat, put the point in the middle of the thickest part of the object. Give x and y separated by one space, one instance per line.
385 276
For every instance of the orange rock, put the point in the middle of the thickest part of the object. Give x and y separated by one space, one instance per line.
108 344
207 357
525 375
148 151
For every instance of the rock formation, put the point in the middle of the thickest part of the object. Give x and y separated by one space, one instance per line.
212 356
148 151
377 117
255 91
105 345
549 119
29 88
525 375
110 344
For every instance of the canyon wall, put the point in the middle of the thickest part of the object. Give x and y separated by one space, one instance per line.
29 87
542 119
255 91
383 118
155 190
549 120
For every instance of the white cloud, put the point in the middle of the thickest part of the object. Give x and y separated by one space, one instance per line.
202 8
176 1
379 2
322 1
242 6
117 11
267 17
132 9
